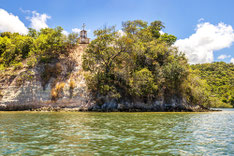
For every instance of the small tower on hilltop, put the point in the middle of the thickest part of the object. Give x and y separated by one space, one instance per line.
83 39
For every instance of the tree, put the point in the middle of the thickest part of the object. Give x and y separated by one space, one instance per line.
220 79
141 65
32 33
44 46
72 39
133 27
156 27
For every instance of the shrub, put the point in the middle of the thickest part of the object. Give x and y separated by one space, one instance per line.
23 77
57 91
18 66
31 62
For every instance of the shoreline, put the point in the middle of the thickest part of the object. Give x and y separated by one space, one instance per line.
54 107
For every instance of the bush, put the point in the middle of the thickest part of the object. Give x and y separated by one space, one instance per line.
18 66
31 62
24 77
56 92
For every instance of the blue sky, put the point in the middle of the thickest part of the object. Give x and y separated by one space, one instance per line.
182 18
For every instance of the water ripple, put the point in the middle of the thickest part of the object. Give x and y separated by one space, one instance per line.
28 133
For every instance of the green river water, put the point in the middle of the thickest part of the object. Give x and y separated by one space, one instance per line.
42 133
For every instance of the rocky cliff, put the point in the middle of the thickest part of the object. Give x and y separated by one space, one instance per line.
60 81
60 85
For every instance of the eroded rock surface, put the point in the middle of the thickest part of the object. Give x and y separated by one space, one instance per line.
37 85
60 86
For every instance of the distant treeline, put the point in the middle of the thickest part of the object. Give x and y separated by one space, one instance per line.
220 78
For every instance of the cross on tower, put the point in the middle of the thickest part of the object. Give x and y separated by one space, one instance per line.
83 39
83 26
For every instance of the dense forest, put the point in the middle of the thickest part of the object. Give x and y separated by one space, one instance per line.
220 78
139 65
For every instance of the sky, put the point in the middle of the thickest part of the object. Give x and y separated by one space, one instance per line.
204 28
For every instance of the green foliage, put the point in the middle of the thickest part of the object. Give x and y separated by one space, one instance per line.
170 39
143 84
141 65
220 78
133 26
14 48
196 90
31 61
18 66
23 77
32 33
42 46
175 73
2 68
155 28
72 39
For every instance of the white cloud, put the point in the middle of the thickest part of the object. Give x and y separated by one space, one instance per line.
201 20
11 23
222 57
76 30
199 47
64 32
232 60
161 32
38 21
24 11
121 33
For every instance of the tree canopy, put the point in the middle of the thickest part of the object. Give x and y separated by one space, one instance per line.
220 78
141 65
34 47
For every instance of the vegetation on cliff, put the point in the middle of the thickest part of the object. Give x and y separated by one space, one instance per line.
220 78
42 55
140 65
17 50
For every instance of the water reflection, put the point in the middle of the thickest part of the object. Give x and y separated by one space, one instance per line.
117 133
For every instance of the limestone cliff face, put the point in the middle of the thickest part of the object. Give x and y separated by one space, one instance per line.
61 80
61 83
